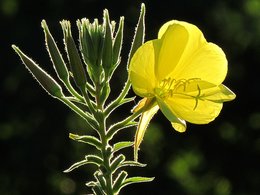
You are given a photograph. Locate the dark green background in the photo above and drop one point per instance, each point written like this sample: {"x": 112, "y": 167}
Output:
{"x": 221, "y": 158}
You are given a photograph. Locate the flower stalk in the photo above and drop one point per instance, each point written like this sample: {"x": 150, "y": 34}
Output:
{"x": 91, "y": 66}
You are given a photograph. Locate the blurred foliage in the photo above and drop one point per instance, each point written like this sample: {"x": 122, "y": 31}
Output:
{"x": 221, "y": 158}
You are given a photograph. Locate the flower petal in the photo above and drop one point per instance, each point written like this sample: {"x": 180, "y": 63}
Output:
{"x": 186, "y": 54}
{"x": 177, "y": 123}
{"x": 208, "y": 63}
{"x": 179, "y": 41}
{"x": 141, "y": 68}
{"x": 172, "y": 48}
{"x": 205, "y": 112}
{"x": 142, "y": 126}
{"x": 198, "y": 101}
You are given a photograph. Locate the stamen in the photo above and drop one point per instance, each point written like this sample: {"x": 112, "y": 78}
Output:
{"x": 169, "y": 87}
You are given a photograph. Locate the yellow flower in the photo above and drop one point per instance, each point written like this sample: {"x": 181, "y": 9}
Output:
{"x": 181, "y": 74}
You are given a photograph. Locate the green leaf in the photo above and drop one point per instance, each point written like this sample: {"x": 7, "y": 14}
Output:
{"x": 86, "y": 139}
{"x": 116, "y": 162}
{"x": 100, "y": 178}
{"x": 119, "y": 181}
{"x": 116, "y": 103}
{"x": 89, "y": 159}
{"x": 91, "y": 184}
{"x": 133, "y": 180}
{"x": 132, "y": 164}
{"x": 94, "y": 159}
{"x": 120, "y": 145}
{"x": 97, "y": 190}
{"x": 115, "y": 128}
{"x": 139, "y": 33}
{"x": 77, "y": 165}
{"x": 117, "y": 44}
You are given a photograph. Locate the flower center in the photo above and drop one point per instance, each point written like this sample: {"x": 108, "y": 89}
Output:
{"x": 168, "y": 87}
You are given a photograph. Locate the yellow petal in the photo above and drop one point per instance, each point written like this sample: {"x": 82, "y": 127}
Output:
{"x": 205, "y": 112}
{"x": 208, "y": 63}
{"x": 142, "y": 126}
{"x": 186, "y": 54}
{"x": 173, "y": 45}
{"x": 141, "y": 68}
{"x": 180, "y": 40}
{"x": 177, "y": 123}
{"x": 198, "y": 101}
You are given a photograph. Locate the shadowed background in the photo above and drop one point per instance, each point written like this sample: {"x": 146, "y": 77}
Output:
{"x": 221, "y": 158}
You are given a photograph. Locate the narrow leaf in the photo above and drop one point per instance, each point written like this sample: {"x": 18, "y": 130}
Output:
{"x": 139, "y": 33}
{"x": 115, "y": 128}
{"x": 94, "y": 159}
{"x": 132, "y": 164}
{"x": 117, "y": 44}
{"x": 120, "y": 145}
{"x": 89, "y": 159}
{"x": 133, "y": 180}
{"x": 116, "y": 103}
{"x": 119, "y": 181}
{"x": 86, "y": 139}
{"x": 77, "y": 165}
{"x": 97, "y": 190}
{"x": 116, "y": 162}
{"x": 100, "y": 178}
{"x": 91, "y": 184}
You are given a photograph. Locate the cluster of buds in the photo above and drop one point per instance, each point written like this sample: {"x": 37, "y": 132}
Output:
{"x": 98, "y": 56}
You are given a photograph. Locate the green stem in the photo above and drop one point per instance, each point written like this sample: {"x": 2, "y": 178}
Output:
{"x": 88, "y": 101}
{"x": 72, "y": 90}
{"x": 106, "y": 153}
{"x": 117, "y": 101}
{"x": 116, "y": 127}
{"x": 84, "y": 115}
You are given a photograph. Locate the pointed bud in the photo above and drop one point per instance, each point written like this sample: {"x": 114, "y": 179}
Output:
{"x": 108, "y": 47}
{"x": 44, "y": 79}
{"x": 73, "y": 56}
{"x": 91, "y": 44}
{"x": 117, "y": 44}
{"x": 55, "y": 55}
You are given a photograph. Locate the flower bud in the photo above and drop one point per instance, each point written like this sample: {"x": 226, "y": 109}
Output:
{"x": 108, "y": 47}
{"x": 55, "y": 55}
{"x": 91, "y": 44}
{"x": 73, "y": 56}
{"x": 44, "y": 79}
